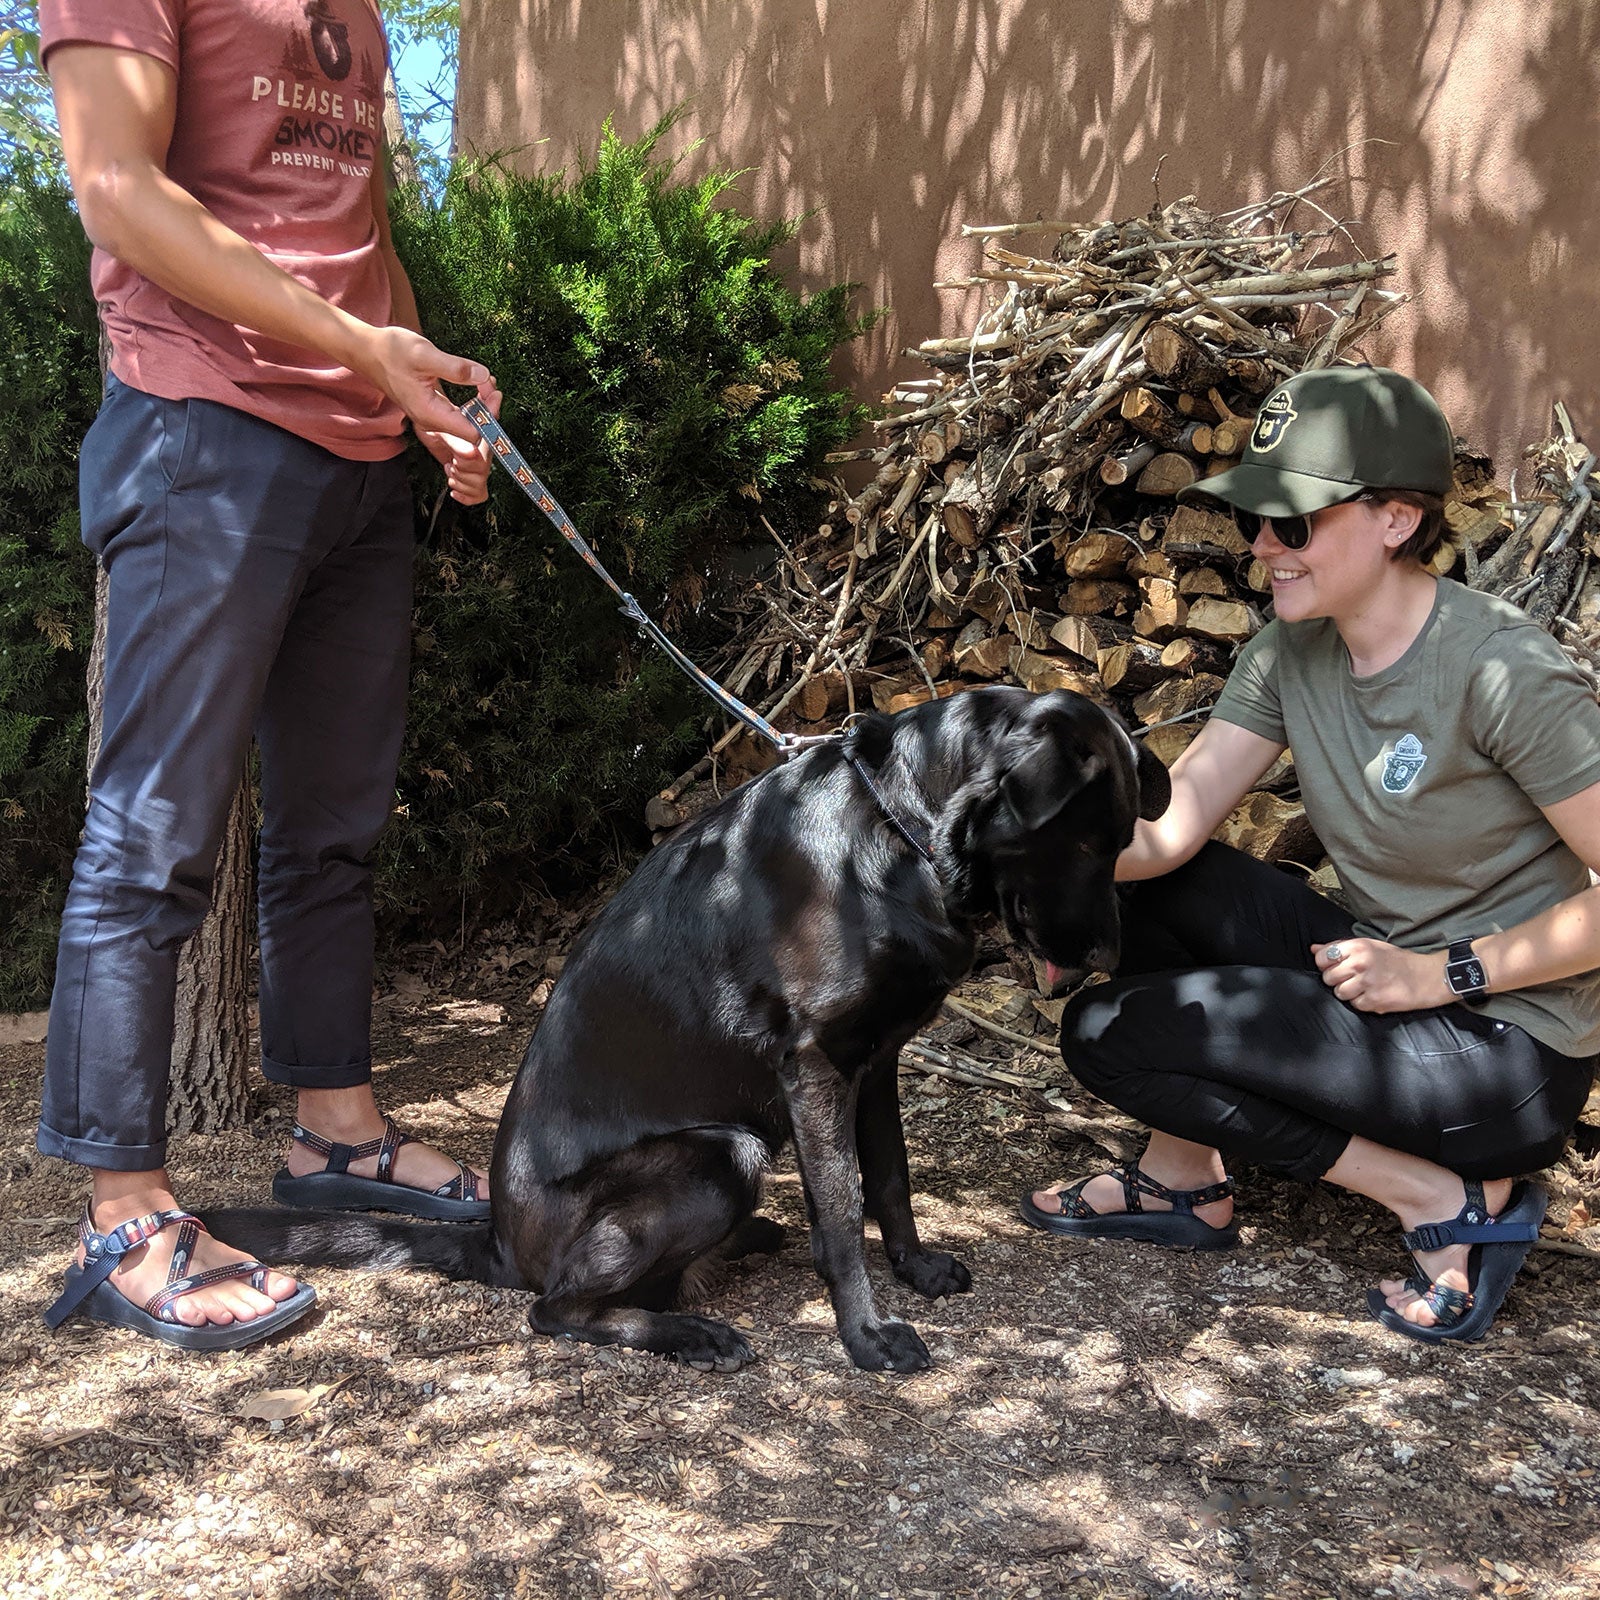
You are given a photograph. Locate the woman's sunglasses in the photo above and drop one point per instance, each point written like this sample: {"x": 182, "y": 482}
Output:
{"x": 1293, "y": 533}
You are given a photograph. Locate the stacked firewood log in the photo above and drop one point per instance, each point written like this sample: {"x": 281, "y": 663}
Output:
{"x": 1020, "y": 524}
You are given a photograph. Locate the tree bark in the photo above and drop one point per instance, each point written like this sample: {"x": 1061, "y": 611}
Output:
{"x": 396, "y": 145}
{"x": 211, "y": 1040}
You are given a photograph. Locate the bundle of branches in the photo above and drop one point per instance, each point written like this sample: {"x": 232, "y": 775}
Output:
{"x": 1020, "y": 526}
{"x": 1540, "y": 554}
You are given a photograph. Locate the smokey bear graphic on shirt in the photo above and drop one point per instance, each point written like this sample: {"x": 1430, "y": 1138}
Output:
{"x": 278, "y": 132}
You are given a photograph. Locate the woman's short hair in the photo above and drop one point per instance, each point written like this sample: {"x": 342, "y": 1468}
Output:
{"x": 1430, "y": 531}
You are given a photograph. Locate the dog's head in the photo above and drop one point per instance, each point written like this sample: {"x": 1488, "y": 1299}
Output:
{"x": 1035, "y": 831}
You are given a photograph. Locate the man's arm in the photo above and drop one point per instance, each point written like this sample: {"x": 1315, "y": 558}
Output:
{"x": 116, "y": 110}
{"x": 1208, "y": 780}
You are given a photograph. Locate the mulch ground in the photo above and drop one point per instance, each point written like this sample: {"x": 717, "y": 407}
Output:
{"x": 1101, "y": 1421}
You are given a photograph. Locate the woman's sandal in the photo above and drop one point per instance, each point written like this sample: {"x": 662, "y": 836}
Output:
{"x": 1499, "y": 1247}
{"x": 336, "y": 1188}
{"x": 89, "y": 1290}
{"x": 1178, "y": 1228}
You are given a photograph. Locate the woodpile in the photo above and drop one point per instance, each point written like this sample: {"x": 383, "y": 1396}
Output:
{"x": 1020, "y": 524}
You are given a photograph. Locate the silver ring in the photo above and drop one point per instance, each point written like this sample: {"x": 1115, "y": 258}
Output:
{"x": 1335, "y": 954}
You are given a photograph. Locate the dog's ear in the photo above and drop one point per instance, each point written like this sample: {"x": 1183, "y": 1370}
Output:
{"x": 1155, "y": 785}
{"x": 1044, "y": 776}
{"x": 1050, "y": 756}
{"x": 958, "y": 848}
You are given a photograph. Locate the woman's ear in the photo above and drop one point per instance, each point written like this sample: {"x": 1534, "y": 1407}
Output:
{"x": 1401, "y": 520}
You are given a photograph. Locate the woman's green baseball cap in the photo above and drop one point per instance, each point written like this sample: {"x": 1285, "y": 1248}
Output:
{"x": 1322, "y": 436}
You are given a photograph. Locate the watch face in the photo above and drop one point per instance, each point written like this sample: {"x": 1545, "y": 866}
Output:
{"x": 1466, "y": 975}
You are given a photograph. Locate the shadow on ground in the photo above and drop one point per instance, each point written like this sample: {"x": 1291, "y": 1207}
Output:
{"x": 1100, "y": 1422}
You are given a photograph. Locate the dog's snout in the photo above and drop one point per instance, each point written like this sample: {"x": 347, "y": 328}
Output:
{"x": 1104, "y": 957}
{"x": 1059, "y": 980}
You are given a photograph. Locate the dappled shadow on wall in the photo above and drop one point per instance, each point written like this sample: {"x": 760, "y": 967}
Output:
{"x": 1464, "y": 138}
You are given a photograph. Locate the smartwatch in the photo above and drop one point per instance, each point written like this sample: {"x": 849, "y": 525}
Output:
{"x": 1463, "y": 971}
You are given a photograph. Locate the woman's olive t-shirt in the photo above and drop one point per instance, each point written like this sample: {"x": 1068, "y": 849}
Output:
{"x": 1424, "y": 781}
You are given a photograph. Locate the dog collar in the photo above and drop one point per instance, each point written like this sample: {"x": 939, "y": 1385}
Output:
{"x": 916, "y": 838}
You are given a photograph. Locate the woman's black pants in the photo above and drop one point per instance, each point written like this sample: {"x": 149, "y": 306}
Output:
{"x": 1218, "y": 1028}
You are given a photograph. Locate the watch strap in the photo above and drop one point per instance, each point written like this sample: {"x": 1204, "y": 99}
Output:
{"x": 1464, "y": 973}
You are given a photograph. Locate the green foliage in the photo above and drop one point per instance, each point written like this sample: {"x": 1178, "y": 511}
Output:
{"x": 658, "y": 374}
{"x": 49, "y": 388}
{"x": 27, "y": 116}
{"x": 661, "y": 378}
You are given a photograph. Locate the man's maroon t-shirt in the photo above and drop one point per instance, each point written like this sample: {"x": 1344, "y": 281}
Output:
{"x": 278, "y": 128}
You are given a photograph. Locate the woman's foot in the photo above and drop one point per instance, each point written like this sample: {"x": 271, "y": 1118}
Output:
{"x": 1447, "y": 1268}
{"x": 1178, "y": 1166}
{"x": 144, "y": 1271}
{"x": 1176, "y": 1195}
{"x": 1105, "y": 1195}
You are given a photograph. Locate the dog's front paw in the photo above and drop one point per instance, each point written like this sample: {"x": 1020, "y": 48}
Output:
{"x": 709, "y": 1346}
{"x": 933, "y": 1273}
{"x": 887, "y": 1347}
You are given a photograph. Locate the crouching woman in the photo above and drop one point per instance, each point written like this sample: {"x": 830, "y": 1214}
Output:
{"x": 1436, "y": 1042}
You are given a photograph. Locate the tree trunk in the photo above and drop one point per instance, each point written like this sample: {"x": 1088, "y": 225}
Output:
{"x": 211, "y": 1041}
{"x": 396, "y": 146}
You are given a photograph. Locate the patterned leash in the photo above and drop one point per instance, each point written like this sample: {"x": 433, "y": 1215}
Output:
{"x": 528, "y": 481}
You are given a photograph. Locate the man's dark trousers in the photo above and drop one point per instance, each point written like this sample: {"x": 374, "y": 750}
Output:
{"x": 258, "y": 583}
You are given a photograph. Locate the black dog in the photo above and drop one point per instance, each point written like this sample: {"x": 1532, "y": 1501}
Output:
{"x": 754, "y": 980}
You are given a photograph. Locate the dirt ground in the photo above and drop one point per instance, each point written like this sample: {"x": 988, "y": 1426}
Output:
{"x": 1101, "y": 1421}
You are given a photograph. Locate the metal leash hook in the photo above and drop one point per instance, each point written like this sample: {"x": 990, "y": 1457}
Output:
{"x": 506, "y": 453}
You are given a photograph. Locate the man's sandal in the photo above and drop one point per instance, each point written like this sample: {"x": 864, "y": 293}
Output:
{"x": 89, "y": 1290}
{"x": 336, "y": 1188}
{"x": 1178, "y": 1228}
{"x": 1499, "y": 1247}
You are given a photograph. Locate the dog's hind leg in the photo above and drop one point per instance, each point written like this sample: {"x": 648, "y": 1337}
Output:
{"x": 886, "y": 1186}
{"x": 651, "y": 1214}
{"x": 822, "y": 1106}
{"x": 755, "y": 1236}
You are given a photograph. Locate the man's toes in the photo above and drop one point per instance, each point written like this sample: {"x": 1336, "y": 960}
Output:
{"x": 196, "y": 1310}
{"x": 236, "y": 1302}
{"x": 280, "y": 1286}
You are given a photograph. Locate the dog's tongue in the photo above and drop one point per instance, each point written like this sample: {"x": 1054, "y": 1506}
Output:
{"x": 1053, "y": 975}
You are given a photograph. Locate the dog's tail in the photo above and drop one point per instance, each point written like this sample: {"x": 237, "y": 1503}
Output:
{"x": 467, "y": 1250}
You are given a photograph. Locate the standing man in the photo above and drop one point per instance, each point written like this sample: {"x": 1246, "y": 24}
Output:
{"x": 243, "y": 485}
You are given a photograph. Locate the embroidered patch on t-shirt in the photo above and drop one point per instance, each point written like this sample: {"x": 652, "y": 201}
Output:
{"x": 1403, "y": 763}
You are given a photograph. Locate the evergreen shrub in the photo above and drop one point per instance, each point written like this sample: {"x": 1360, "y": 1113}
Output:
{"x": 668, "y": 387}
{"x": 49, "y": 389}
{"x": 662, "y": 379}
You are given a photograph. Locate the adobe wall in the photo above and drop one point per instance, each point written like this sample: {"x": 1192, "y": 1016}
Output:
{"x": 1467, "y": 135}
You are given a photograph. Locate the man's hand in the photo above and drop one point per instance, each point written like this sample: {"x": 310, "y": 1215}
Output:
{"x": 1373, "y": 976}
{"x": 409, "y": 369}
{"x": 466, "y": 466}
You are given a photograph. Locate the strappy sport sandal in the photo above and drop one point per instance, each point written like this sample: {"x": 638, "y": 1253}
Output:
{"x": 1499, "y": 1247}
{"x": 1178, "y": 1228}
{"x": 336, "y": 1188}
{"x": 89, "y": 1290}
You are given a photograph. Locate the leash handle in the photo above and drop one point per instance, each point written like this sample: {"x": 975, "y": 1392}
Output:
{"x": 506, "y": 453}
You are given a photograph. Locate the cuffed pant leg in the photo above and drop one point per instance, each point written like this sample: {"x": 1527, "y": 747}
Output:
{"x": 330, "y": 732}
{"x": 207, "y": 522}
{"x": 1268, "y": 1064}
{"x": 1189, "y": 1053}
